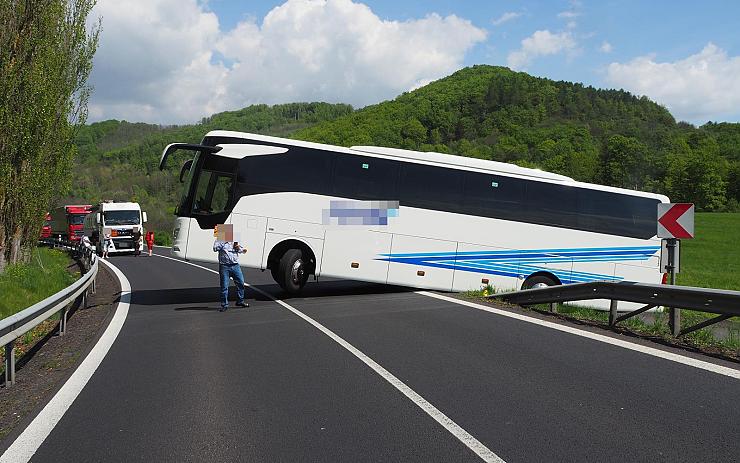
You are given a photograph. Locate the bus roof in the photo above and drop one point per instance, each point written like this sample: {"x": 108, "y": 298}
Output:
{"x": 435, "y": 158}
{"x": 461, "y": 161}
{"x": 425, "y": 157}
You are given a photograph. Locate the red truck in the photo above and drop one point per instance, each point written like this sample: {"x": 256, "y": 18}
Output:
{"x": 66, "y": 221}
{"x": 46, "y": 228}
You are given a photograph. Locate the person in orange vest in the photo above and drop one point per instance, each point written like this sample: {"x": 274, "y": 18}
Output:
{"x": 150, "y": 241}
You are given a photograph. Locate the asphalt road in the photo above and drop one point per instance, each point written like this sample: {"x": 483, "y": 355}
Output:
{"x": 184, "y": 382}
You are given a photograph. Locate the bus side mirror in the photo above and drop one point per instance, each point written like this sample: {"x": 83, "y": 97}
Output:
{"x": 143, "y": 217}
{"x": 185, "y": 168}
{"x": 97, "y": 218}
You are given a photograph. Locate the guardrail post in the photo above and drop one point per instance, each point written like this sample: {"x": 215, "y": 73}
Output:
{"x": 674, "y": 320}
{"x": 613, "y": 312}
{"x": 9, "y": 363}
{"x": 62, "y": 321}
{"x": 554, "y": 307}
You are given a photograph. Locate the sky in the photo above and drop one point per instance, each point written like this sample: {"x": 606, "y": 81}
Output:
{"x": 177, "y": 61}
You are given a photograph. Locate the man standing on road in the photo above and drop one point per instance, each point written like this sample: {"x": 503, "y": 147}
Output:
{"x": 228, "y": 266}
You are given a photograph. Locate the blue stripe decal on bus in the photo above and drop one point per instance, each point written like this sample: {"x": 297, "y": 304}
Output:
{"x": 522, "y": 263}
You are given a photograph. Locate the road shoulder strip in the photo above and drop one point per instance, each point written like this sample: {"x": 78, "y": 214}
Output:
{"x": 696, "y": 363}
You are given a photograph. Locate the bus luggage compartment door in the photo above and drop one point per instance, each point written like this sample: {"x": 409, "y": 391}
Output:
{"x": 422, "y": 262}
{"x": 356, "y": 254}
{"x": 249, "y": 231}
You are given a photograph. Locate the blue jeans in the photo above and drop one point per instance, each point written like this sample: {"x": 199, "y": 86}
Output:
{"x": 226, "y": 271}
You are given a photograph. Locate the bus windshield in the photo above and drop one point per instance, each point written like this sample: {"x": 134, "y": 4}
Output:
{"x": 212, "y": 193}
{"x": 121, "y": 217}
{"x": 187, "y": 186}
{"x": 209, "y": 186}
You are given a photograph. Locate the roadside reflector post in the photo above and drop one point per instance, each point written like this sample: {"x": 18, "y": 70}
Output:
{"x": 675, "y": 221}
{"x": 674, "y": 314}
{"x": 613, "y": 312}
{"x": 9, "y": 363}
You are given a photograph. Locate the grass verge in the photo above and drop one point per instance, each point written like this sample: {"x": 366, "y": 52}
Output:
{"x": 712, "y": 259}
{"x": 22, "y": 285}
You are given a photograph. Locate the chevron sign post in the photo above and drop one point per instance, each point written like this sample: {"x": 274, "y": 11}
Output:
{"x": 676, "y": 220}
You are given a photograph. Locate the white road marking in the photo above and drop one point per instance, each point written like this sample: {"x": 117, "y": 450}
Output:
{"x": 462, "y": 435}
{"x": 732, "y": 373}
{"x": 24, "y": 447}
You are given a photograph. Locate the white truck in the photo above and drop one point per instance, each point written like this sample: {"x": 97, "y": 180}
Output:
{"x": 117, "y": 219}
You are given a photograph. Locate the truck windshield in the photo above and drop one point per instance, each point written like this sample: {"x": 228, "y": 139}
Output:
{"x": 76, "y": 219}
{"x": 121, "y": 217}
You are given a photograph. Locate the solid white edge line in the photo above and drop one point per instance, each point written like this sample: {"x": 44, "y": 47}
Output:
{"x": 719, "y": 369}
{"x": 26, "y": 445}
{"x": 453, "y": 428}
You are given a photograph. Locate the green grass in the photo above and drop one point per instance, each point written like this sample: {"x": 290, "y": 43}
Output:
{"x": 22, "y": 285}
{"x": 162, "y": 238}
{"x": 712, "y": 259}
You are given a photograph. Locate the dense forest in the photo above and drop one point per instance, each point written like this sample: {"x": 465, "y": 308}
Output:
{"x": 602, "y": 136}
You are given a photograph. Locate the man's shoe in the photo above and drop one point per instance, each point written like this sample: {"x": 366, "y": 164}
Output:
{"x": 224, "y": 309}
{"x": 242, "y": 304}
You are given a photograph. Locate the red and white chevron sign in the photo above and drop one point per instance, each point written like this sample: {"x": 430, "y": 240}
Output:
{"x": 676, "y": 220}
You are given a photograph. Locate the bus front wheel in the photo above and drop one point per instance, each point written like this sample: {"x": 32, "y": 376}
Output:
{"x": 292, "y": 272}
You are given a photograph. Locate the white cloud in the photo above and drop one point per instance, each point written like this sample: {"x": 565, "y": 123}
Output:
{"x": 606, "y": 47}
{"x": 508, "y": 16}
{"x": 698, "y": 88}
{"x": 568, "y": 14}
{"x": 541, "y": 43}
{"x": 168, "y": 61}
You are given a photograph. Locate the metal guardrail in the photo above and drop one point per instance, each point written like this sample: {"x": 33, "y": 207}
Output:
{"x": 724, "y": 303}
{"x": 20, "y": 323}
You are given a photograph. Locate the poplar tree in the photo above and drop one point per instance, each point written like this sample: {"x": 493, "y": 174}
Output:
{"x": 46, "y": 53}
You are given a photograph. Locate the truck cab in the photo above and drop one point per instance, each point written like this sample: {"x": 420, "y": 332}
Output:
{"x": 118, "y": 220}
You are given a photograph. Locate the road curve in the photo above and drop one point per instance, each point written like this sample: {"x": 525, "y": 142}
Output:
{"x": 184, "y": 382}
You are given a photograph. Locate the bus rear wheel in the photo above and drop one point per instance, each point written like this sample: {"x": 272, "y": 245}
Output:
{"x": 292, "y": 271}
{"x": 538, "y": 281}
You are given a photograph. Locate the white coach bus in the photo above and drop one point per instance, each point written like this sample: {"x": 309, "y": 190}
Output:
{"x": 426, "y": 220}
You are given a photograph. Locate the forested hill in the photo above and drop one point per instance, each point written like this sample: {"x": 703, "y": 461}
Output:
{"x": 602, "y": 136}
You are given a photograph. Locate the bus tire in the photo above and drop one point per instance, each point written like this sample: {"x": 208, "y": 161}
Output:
{"x": 292, "y": 271}
{"x": 538, "y": 281}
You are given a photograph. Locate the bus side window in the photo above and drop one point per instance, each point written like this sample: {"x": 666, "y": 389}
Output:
{"x": 430, "y": 187}
{"x": 360, "y": 177}
{"x": 494, "y": 196}
{"x": 551, "y": 204}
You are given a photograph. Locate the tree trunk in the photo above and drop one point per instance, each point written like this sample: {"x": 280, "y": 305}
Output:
{"x": 15, "y": 246}
{"x": 2, "y": 247}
